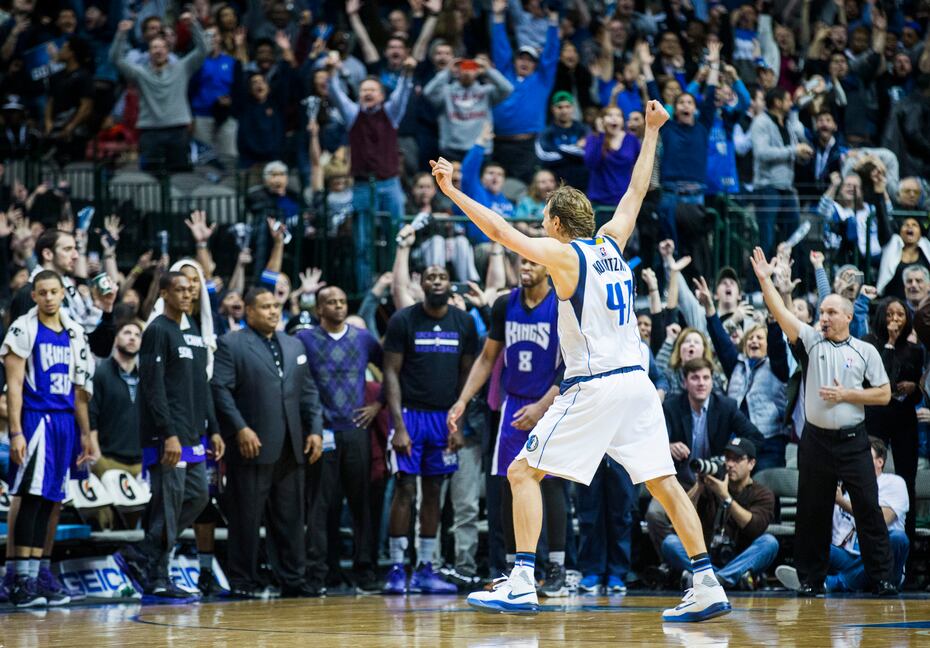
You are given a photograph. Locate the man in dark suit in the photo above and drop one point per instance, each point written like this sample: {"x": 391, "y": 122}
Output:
{"x": 269, "y": 411}
{"x": 700, "y": 425}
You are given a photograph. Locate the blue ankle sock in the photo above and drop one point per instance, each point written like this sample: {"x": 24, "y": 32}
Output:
{"x": 525, "y": 559}
{"x": 701, "y": 563}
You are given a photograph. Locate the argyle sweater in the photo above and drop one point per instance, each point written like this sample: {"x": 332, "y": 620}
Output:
{"x": 338, "y": 366}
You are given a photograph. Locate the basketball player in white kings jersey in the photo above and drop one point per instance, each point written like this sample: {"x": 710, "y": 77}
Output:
{"x": 607, "y": 403}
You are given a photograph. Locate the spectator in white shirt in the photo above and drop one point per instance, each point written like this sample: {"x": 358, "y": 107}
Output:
{"x": 846, "y": 572}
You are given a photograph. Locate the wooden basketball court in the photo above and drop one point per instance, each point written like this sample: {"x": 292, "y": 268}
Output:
{"x": 431, "y": 621}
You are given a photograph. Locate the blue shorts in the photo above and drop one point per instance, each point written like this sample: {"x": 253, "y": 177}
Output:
{"x": 51, "y": 444}
{"x": 510, "y": 441}
{"x": 429, "y": 437}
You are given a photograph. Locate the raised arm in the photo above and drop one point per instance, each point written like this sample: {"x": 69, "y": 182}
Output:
{"x": 545, "y": 251}
{"x": 501, "y": 52}
{"x": 624, "y": 220}
{"x": 787, "y": 320}
{"x": 369, "y": 51}
{"x": 421, "y": 47}
{"x": 120, "y": 48}
{"x": 195, "y": 58}
{"x": 400, "y": 287}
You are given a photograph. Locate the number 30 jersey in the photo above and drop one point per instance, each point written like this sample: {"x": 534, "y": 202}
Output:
{"x": 47, "y": 386}
{"x": 597, "y": 326}
{"x": 531, "y": 343}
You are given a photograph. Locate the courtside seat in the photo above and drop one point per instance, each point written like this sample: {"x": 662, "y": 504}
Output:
{"x": 922, "y": 492}
{"x": 784, "y": 483}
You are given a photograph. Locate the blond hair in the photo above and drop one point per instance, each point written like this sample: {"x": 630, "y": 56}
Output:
{"x": 576, "y": 216}
{"x": 675, "y": 360}
{"x": 335, "y": 169}
{"x": 752, "y": 329}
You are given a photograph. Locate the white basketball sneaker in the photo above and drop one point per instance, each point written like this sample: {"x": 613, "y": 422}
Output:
{"x": 515, "y": 594}
{"x": 705, "y": 600}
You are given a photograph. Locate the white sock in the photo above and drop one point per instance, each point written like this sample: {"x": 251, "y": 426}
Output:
{"x": 557, "y": 557}
{"x": 427, "y": 550}
{"x": 45, "y": 563}
{"x": 33, "y": 568}
{"x": 397, "y": 548}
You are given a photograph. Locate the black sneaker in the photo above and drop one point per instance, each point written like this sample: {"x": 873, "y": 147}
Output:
{"x": 368, "y": 583}
{"x": 748, "y": 582}
{"x": 885, "y": 588}
{"x": 554, "y": 586}
{"x": 26, "y": 594}
{"x": 170, "y": 591}
{"x": 208, "y": 585}
{"x": 461, "y": 580}
{"x": 303, "y": 590}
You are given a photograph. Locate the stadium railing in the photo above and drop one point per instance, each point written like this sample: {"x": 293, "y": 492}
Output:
{"x": 152, "y": 203}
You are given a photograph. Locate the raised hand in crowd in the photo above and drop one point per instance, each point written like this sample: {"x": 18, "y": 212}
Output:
{"x": 310, "y": 283}
{"x": 704, "y": 296}
{"x": 199, "y": 229}
{"x": 816, "y": 259}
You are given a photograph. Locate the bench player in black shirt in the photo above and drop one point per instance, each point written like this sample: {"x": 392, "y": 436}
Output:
{"x": 428, "y": 351}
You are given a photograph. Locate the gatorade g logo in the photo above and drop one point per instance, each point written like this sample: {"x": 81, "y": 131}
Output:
{"x": 88, "y": 491}
{"x": 532, "y": 443}
{"x": 125, "y": 487}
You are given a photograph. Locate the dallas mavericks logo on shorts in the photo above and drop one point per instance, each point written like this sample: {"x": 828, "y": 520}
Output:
{"x": 532, "y": 443}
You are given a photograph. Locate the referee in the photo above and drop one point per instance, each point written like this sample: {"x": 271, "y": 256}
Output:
{"x": 842, "y": 376}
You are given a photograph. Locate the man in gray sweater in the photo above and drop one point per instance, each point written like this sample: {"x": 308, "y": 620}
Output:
{"x": 164, "y": 110}
{"x": 777, "y": 141}
{"x": 465, "y": 91}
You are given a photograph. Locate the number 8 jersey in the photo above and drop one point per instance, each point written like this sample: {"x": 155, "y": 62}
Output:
{"x": 597, "y": 326}
{"x": 531, "y": 345}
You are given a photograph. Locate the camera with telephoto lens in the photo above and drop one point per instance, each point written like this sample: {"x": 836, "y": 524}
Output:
{"x": 714, "y": 467}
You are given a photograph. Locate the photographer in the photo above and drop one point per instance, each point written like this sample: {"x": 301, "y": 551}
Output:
{"x": 735, "y": 512}
{"x": 700, "y": 425}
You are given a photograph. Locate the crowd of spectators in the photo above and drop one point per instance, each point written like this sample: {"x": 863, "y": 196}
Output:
{"x": 806, "y": 120}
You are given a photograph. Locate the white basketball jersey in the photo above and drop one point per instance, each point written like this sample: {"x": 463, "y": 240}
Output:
{"x": 597, "y": 326}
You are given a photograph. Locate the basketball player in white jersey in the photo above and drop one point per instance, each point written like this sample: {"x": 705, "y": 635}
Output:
{"x": 607, "y": 403}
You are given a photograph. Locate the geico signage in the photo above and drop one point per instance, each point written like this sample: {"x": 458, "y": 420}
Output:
{"x": 99, "y": 577}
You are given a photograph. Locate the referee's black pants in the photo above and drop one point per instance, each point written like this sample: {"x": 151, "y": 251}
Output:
{"x": 824, "y": 458}
{"x": 345, "y": 470}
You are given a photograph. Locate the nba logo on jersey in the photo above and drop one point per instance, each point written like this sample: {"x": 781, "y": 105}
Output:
{"x": 601, "y": 247}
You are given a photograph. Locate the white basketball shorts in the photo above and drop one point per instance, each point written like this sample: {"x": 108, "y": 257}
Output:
{"x": 619, "y": 415}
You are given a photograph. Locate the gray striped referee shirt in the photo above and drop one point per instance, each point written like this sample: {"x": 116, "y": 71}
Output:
{"x": 853, "y": 363}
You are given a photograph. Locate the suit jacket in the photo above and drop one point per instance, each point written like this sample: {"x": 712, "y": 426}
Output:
{"x": 724, "y": 421}
{"x": 248, "y": 392}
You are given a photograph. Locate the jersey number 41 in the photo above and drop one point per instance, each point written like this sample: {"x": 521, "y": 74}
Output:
{"x": 620, "y": 298}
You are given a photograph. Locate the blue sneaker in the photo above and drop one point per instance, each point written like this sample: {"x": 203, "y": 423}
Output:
{"x": 615, "y": 585}
{"x": 590, "y": 584}
{"x": 396, "y": 581}
{"x": 514, "y": 594}
{"x": 426, "y": 581}
{"x": 50, "y": 585}
{"x": 704, "y": 601}
{"x": 51, "y": 588}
